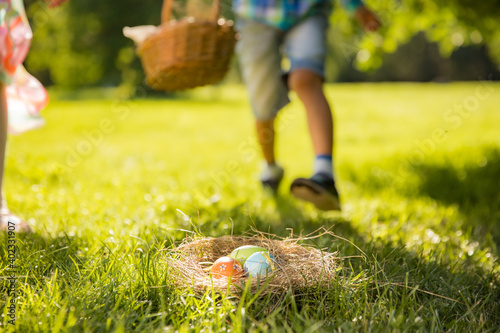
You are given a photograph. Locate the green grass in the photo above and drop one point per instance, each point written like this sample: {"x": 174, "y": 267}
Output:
{"x": 103, "y": 182}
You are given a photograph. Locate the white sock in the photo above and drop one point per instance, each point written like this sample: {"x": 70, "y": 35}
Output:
{"x": 271, "y": 171}
{"x": 324, "y": 164}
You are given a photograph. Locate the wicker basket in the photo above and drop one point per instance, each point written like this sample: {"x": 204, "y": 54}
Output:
{"x": 187, "y": 53}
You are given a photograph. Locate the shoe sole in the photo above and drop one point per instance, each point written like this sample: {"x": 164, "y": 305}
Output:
{"x": 307, "y": 190}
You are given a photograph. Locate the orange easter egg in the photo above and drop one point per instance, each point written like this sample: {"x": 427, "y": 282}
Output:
{"x": 226, "y": 267}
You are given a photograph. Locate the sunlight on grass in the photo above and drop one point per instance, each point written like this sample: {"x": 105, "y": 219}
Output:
{"x": 418, "y": 167}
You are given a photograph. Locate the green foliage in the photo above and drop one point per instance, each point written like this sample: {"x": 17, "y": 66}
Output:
{"x": 81, "y": 43}
{"x": 449, "y": 23}
{"x": 103, "y": 182}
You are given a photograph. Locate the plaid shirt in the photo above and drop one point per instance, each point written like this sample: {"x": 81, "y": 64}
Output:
{"x": 284, "y": 14}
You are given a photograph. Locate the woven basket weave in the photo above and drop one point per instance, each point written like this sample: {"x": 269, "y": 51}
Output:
{"x": 187, "y": 53}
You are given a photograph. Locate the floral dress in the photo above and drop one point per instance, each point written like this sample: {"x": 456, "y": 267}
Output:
{"x": 26, "y": 96}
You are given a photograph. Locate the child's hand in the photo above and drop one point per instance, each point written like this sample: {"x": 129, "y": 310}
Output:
{"x": 55, "y": 3}
{"x": 367, "y": 19}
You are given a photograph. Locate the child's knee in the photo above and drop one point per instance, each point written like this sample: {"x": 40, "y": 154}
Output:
{"x": 301, "y": 79}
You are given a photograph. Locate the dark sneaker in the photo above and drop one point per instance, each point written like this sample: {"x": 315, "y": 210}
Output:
{"x": 273, "y": 183}
{"x": 319, "y": 190}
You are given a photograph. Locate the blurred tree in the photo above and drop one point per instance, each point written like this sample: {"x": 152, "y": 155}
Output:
{"x": 417, "y": 60}
{"x": 449, "y": 23}
{"x": 81, "y": 43}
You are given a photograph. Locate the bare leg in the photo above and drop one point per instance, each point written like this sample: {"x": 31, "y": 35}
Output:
{"x": 3, "y": 138}
{"x": 265, "y": 135}
{"x": 309, "y": 88}
{"x": 319, "y": 189}
{"x": 5, "y": 215}
{"x": 273, "y": 173}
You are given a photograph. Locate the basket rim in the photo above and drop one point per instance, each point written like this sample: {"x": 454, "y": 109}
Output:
{"x": 169, "y": 28}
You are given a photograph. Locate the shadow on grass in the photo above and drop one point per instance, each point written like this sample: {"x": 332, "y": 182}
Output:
{"x": 474, "y": 188}
{"x": 437, "y": 282}
{"x": 392, "y": 277}
{"x": 397, "y": 279}
{"x": 469, "y": 187}
{"x": 293, "y": 216}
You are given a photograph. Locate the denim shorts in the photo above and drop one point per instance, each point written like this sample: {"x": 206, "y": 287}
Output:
{"x": 260, "y": 51}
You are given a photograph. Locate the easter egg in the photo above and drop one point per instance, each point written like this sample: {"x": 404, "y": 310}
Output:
{"x": 259, "y": 264}
{"x": 242, "y": 253}
{"x": 226, "y": 267}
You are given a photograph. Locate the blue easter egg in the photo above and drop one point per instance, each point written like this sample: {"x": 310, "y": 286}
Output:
{"x": 259, "y": 264}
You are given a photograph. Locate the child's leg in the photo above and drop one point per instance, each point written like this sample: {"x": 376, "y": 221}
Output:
{"x": 260, "y": 60}
{"x": 3, "y": 139}
{"x": 265, "y": 136}
{"x": 306, "y": 48}
{"x": 309, "y": 88}
{"x": 5, "y": 215}
{"x": 273, "y": 173}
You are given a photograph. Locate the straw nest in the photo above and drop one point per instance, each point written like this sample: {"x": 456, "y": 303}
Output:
{"x": 299, "y": 267}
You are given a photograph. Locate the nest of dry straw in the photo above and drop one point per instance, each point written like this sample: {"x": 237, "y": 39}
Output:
{"x": 299, "y": 266}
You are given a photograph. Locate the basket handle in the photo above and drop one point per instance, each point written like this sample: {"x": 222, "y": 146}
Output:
{"x": 166, "y": 10}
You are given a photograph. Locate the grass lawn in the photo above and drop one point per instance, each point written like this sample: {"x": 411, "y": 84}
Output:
{"x": 107, "y": 185}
